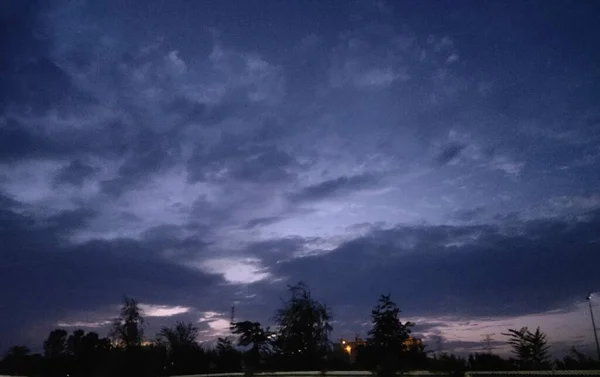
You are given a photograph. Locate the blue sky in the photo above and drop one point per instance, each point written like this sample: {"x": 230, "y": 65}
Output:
{"x": 197, "y": 155}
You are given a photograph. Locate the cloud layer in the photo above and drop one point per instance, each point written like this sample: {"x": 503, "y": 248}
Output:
{"x": 195, "y": 163}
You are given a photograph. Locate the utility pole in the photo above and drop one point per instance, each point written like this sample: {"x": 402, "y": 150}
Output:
{"x": 487, "y": 342}
{"x": 232, "y": 319}
{"x": 589, "y": 299}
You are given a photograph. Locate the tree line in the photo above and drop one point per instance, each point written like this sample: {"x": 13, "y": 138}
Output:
{"x": 299, "y": 340}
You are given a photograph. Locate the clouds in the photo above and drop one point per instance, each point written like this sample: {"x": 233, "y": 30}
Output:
{"x": 236, "y": 270}
{"x": 449, "y": 153}
{"x": 469, "y": 272}
{"x": 75, "y": 173}
{"x": 334, "y": 187}
{"x": 191, "y": 167}
{"x": 58, "y": 279}
{"x": 28, "y": 76}
{"x": 362, "y": 62}
{"x": 466, "y": 335}
{"x": 162, "y": 310}
{"x": 262, "y": 79}
{"x": 242, "y": 161}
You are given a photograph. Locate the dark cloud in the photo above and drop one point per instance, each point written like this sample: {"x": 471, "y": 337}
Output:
{"x": 75, "y": 173}
{"x": 171, "y": 146}
{"x": 334, "y": 187}
{"x": 21, "y": 141}
{"x": 187, "y": 110}
{"x": 65, "y": 222}
{"x": 275, "y": 250}
{"x": 233, "y": 104}
{"x": 465, "y": 270}
{"x": 448, "y": 153}
{"x": 43, "y": 274}
{"x": 233, "y": 158}
{"x": 259, "y": 222}
{"x": 467, "y": 215}
{"x": 148, "y": 154}
{"x": 28, "y": 75}
{"x": 16, "y": 141}
{"x": 7, "y": 203}
{"x": 267, "y": 165}
{"x": 254, "y": 223}
{"x": 174, "y": 239}
{"x": 427, "y": 327}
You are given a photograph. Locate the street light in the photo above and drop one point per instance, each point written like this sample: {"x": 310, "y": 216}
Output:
{"x": 589, "y": 299}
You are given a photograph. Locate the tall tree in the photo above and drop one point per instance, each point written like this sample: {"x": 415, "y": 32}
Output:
{"x": 181, "y": 336}
{"x": 577, "y": 361}
{"x": 531, "y": 349}
{"x": 74, "y": 343}
{"x": 304, "y": 325}
{"x": 128, "y": 329}
{"x": 19, "y": 361}
{"x": 55, "y": 353}
{"x": 252, "y": 335}
{"x": 92, "y": 343}
{"x": 18, "y": 352}
{"x": 184, "y": 353}
{"x": 539, "y": 349}
{"x": 228, "y": 358}
{"x": 224, "y": 345}
{"x": 55, "y": 346}
{"x": 387, "y": 337}
{"x": 89, "y": 352}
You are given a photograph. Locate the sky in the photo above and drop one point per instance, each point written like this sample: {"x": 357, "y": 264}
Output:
{"x": 199, "y": 155}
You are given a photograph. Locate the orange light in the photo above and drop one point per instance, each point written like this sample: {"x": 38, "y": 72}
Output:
{"x": 348, "y": 349}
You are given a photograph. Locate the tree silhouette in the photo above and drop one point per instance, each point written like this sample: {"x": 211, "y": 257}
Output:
{"x": 228, "y": 358}
{"x": 304, "y": 325}
{"x": 55, "y": 346}
{"x": 387, "y": 337}
{"x": 18, "y": 352}
{"x": 539, "y": 348}
{"x": 127, "y": 329}
{"x": 488, "y": 361}
{"x": 252, "y": 335}
{"x": 19, "y": 361}
{"x": 87, "y": 351}
{"x": 55, "y": 353}
{"x": 183, "y": 351}
{"x": 224, "y": 345}
{"x": 577, "y": 361}
{"x": 129, "y": 357}
{"x": 300, "y": 342}
{"x": 180, "y": 336}
{"x": 531, "y": 349}
{"x": 74, "y": 343}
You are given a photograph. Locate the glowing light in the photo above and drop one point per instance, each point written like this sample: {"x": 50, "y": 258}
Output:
{"x": 163, "y": 310}
{"x": 236, "y": 270}
{"x": 83, "y": 324}
{"x": 348, "y": 349}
